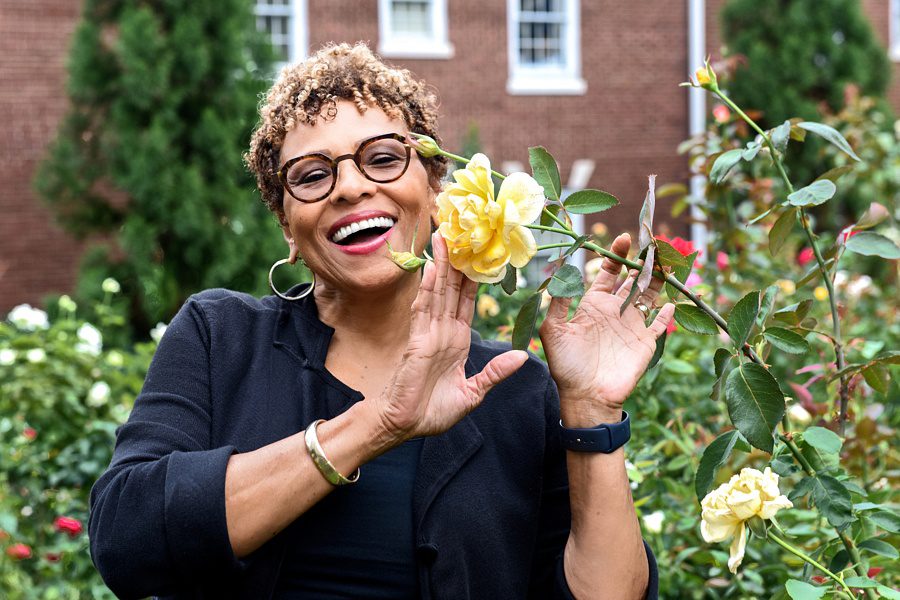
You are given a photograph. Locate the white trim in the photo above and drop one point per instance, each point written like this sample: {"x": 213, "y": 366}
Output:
{"x": 894, "y": 30}
{"x": 549, "y": 81}
{"x": 299, "y": 31}
{"x": 697, "y": 120}
{"x": 297, "y": 37}
{"x": 398, "y": 45}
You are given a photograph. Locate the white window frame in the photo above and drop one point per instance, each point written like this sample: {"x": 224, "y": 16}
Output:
{"x": 298, "y": 28}
{"x": 546, "y": 81}
{"x": 393, "y": 44}
{"x": 894, "y": 30}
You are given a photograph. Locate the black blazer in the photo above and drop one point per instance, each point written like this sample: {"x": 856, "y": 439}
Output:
{"x": 234, "y": 373}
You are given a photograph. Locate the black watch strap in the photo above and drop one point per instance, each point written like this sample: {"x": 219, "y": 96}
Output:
{"x": 606, "y": 437}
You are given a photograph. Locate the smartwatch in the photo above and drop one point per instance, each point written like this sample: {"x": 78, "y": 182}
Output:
{"x": 605, "y": 438}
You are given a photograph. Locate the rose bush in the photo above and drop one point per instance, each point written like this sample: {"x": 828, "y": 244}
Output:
{"x": 63, "y": 392}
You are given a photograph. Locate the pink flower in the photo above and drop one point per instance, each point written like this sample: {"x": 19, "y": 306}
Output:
{"x": 692, "y": 280}
{"x": 19, "y": 551}
{"x": 722, "y": 260}
{"x": 805, "y": 256}
{"x": 721, "y": 113}
{"x": 68, "y": 525}
{"x": 672, "y": 327}
{"x": 29, "y": 433}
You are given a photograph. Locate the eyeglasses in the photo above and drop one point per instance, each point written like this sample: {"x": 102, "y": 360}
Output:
{"x": 312, "y": 177}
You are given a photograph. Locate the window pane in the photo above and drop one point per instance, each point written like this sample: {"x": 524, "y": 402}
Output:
{"x": 273, "y": 17}
{"x": 411, "y": 17}
{"x": 541, "y": 38}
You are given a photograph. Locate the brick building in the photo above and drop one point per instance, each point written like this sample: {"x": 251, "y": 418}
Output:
{"x": 595, "y": 81}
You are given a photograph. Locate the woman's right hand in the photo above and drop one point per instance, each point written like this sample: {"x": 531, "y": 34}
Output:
{"x": 429, "y": 391}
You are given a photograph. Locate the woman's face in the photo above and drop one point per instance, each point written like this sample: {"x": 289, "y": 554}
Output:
{"x": 382, "y": 211}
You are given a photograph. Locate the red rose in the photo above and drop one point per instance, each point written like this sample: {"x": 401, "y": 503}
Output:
{"x": 685, "y": 247}
{"x": 53, "y": 557}
{"x": 874, "y": 571}
{"x": 68, "y": 525}
{"x": 19, "y": 551}
{"x": 722, "y": 261}
{"x": 671, "y": 327}
{"x": 848, "y": 233}
{"x": 805, "y": 256}
{"x": 30, "y": 433}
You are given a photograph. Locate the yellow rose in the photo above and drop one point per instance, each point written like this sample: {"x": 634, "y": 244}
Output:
{"x": 706, "y": 77}
{"x": 487, "y": 306}
{"x": 787, "y": 286}
{"x": 726, "y": 508}
{"x": 702, "y": 76}
{"x": 820, "y": 293}
{"x": 483, "y": 234}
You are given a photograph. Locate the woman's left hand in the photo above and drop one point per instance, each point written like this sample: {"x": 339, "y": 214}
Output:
{"x": 597, "y": 357}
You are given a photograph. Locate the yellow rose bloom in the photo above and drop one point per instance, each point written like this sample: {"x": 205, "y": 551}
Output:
{"x": 820, "y": 293}
{"x": 726, "y": 508}
{"x": 702, "y": 76}
{"x": 483, "y": 234}
{"x": 487, "y": 306}
{"x": 787, "y": 286}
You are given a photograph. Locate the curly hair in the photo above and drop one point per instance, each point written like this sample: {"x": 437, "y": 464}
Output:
{"x": 307, "y": 91}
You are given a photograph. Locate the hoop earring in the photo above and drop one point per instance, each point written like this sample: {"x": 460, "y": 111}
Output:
{"x": 308, "y": 291}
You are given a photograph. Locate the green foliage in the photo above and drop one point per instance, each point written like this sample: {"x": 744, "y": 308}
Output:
{"x": 801, "y": 53}
{"x": 148, "y": 159}
{"x": 797, "y": 56}
{"x": 63, "y": 392}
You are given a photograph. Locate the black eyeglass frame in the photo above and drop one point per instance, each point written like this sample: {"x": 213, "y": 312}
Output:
{"x": 333, "y": 162}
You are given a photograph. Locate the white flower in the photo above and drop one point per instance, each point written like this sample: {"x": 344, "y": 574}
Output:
{"x": 115, "y": 359}
{"x": 7, "y": 356}
{"x": 111, "y": 286}
{"x": 653, "y": 522}
{"x": 592, "y": 268}
{"x": 27, "y": 511}
{"x": 98, "y": 394}
{"x": 35, "y": 355}
{"x": 90, "y": 340}
{"x": 545, "y": 299}
{"x": 859, "y": 285}
{"x": 798, "y": 414}
{"x": 840, "y": 278}
{"x": 725, "y": 509}
{"x": 25, "y": 317}
{"x": 67, "y": 304}
{"x": 157, "y": 332}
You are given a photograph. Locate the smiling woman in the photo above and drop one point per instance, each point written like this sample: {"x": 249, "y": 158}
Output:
{"x": 362, "y": 441}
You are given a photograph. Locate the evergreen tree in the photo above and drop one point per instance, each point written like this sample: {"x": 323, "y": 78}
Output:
{"x": 801, "y": 54}
{"x": 148, "y": 159}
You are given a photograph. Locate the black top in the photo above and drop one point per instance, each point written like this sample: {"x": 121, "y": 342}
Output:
{"x": 357, "y": 542}
{"x": 233, "y": 373}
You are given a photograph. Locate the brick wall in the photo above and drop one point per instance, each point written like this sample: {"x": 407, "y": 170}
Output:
{"x": 629, "y": 122}
{"x": 36, "y": 258}
{"x": 878, "y": 12}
